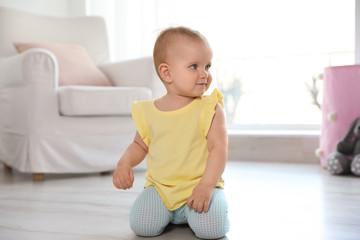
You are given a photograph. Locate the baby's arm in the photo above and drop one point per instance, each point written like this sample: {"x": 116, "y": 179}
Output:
{"x": 123, "y": 176}
{"x": 217, "y": 146}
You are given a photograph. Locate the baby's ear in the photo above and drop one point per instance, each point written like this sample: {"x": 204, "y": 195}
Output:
{"x": 164, "y": 71}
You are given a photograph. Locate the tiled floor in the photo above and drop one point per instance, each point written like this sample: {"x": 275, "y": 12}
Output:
{"x": 266, "y": 201}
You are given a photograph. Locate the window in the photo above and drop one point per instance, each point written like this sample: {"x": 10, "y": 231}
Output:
{"x": 268, "y": 55}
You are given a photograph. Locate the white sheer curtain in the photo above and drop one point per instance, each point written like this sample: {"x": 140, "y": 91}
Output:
{"x": 235, "y": 28}
{"x": 265, "y": 52}
{"x": 131, "y": 26}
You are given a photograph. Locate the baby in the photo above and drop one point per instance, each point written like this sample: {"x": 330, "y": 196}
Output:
{"x": 183, "y": 134}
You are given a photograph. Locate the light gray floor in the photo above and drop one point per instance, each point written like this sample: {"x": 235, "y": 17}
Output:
{"x": 266, "y": 201}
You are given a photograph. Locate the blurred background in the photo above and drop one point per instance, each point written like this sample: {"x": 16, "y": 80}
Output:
{"x": 268, "y": 55}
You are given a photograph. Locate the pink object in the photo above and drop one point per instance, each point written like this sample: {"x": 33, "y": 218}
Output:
{"x": 340, "y": 107}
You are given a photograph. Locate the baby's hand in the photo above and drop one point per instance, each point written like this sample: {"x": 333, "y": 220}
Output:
{"x": 123, "y": 177}
{"x": 200, "y": 198}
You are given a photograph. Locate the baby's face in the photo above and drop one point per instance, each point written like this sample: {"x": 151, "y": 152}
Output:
{"x": 190, "y": 62}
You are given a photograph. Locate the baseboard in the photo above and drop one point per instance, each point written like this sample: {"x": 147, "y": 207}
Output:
{"x": 272, "y": 147}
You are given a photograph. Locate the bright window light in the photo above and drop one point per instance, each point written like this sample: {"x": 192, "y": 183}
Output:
{"x": 268, "y": 55}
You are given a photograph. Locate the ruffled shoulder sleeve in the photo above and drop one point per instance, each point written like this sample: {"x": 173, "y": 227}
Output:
{"x": 208, "y": 110}
{"x": 139, "y": 115}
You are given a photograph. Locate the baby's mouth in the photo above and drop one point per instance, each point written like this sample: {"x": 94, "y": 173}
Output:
{"x": 202, "y": 83}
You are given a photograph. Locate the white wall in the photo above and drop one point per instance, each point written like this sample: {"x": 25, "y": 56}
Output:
{"x": 59, "y": 8}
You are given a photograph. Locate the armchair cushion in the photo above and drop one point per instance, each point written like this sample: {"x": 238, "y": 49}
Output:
{"x": 75, "y": 65}
{"x": 95, "y": 101}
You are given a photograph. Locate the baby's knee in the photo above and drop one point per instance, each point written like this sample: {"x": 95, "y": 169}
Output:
{"x": 144, "y": 228}
{"x": 210, "y": 228}
{"x": 213, "y": 224}
{"x": 149, "y": 222}
{"x": 209, "y": 225}
{"x": 213, "y": 232}
{"x": 148, "y": 215}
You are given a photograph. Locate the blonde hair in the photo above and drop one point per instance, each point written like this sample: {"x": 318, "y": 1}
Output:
{"x": 166, "y": 37}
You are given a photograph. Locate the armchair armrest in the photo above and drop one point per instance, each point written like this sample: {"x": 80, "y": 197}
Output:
{"x": 28, "y": 83}
{"x": 20, "y": 68}
{"x": 135, "y": 73}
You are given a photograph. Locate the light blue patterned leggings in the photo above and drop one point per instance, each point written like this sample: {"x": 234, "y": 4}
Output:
{"x": 149, "y": 216}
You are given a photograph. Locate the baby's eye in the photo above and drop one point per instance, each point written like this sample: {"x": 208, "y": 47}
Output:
{"x": 194, "y": 66}
{"x": 207, "y": 67}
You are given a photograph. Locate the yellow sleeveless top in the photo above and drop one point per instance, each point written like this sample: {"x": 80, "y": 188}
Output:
{"x": 177, "y": 146}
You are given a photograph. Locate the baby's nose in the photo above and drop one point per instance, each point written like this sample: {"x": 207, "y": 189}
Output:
{"x": 204, "y": 73}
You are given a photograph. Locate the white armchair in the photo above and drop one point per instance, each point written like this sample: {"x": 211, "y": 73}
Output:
{"x": 47, "y": 128}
